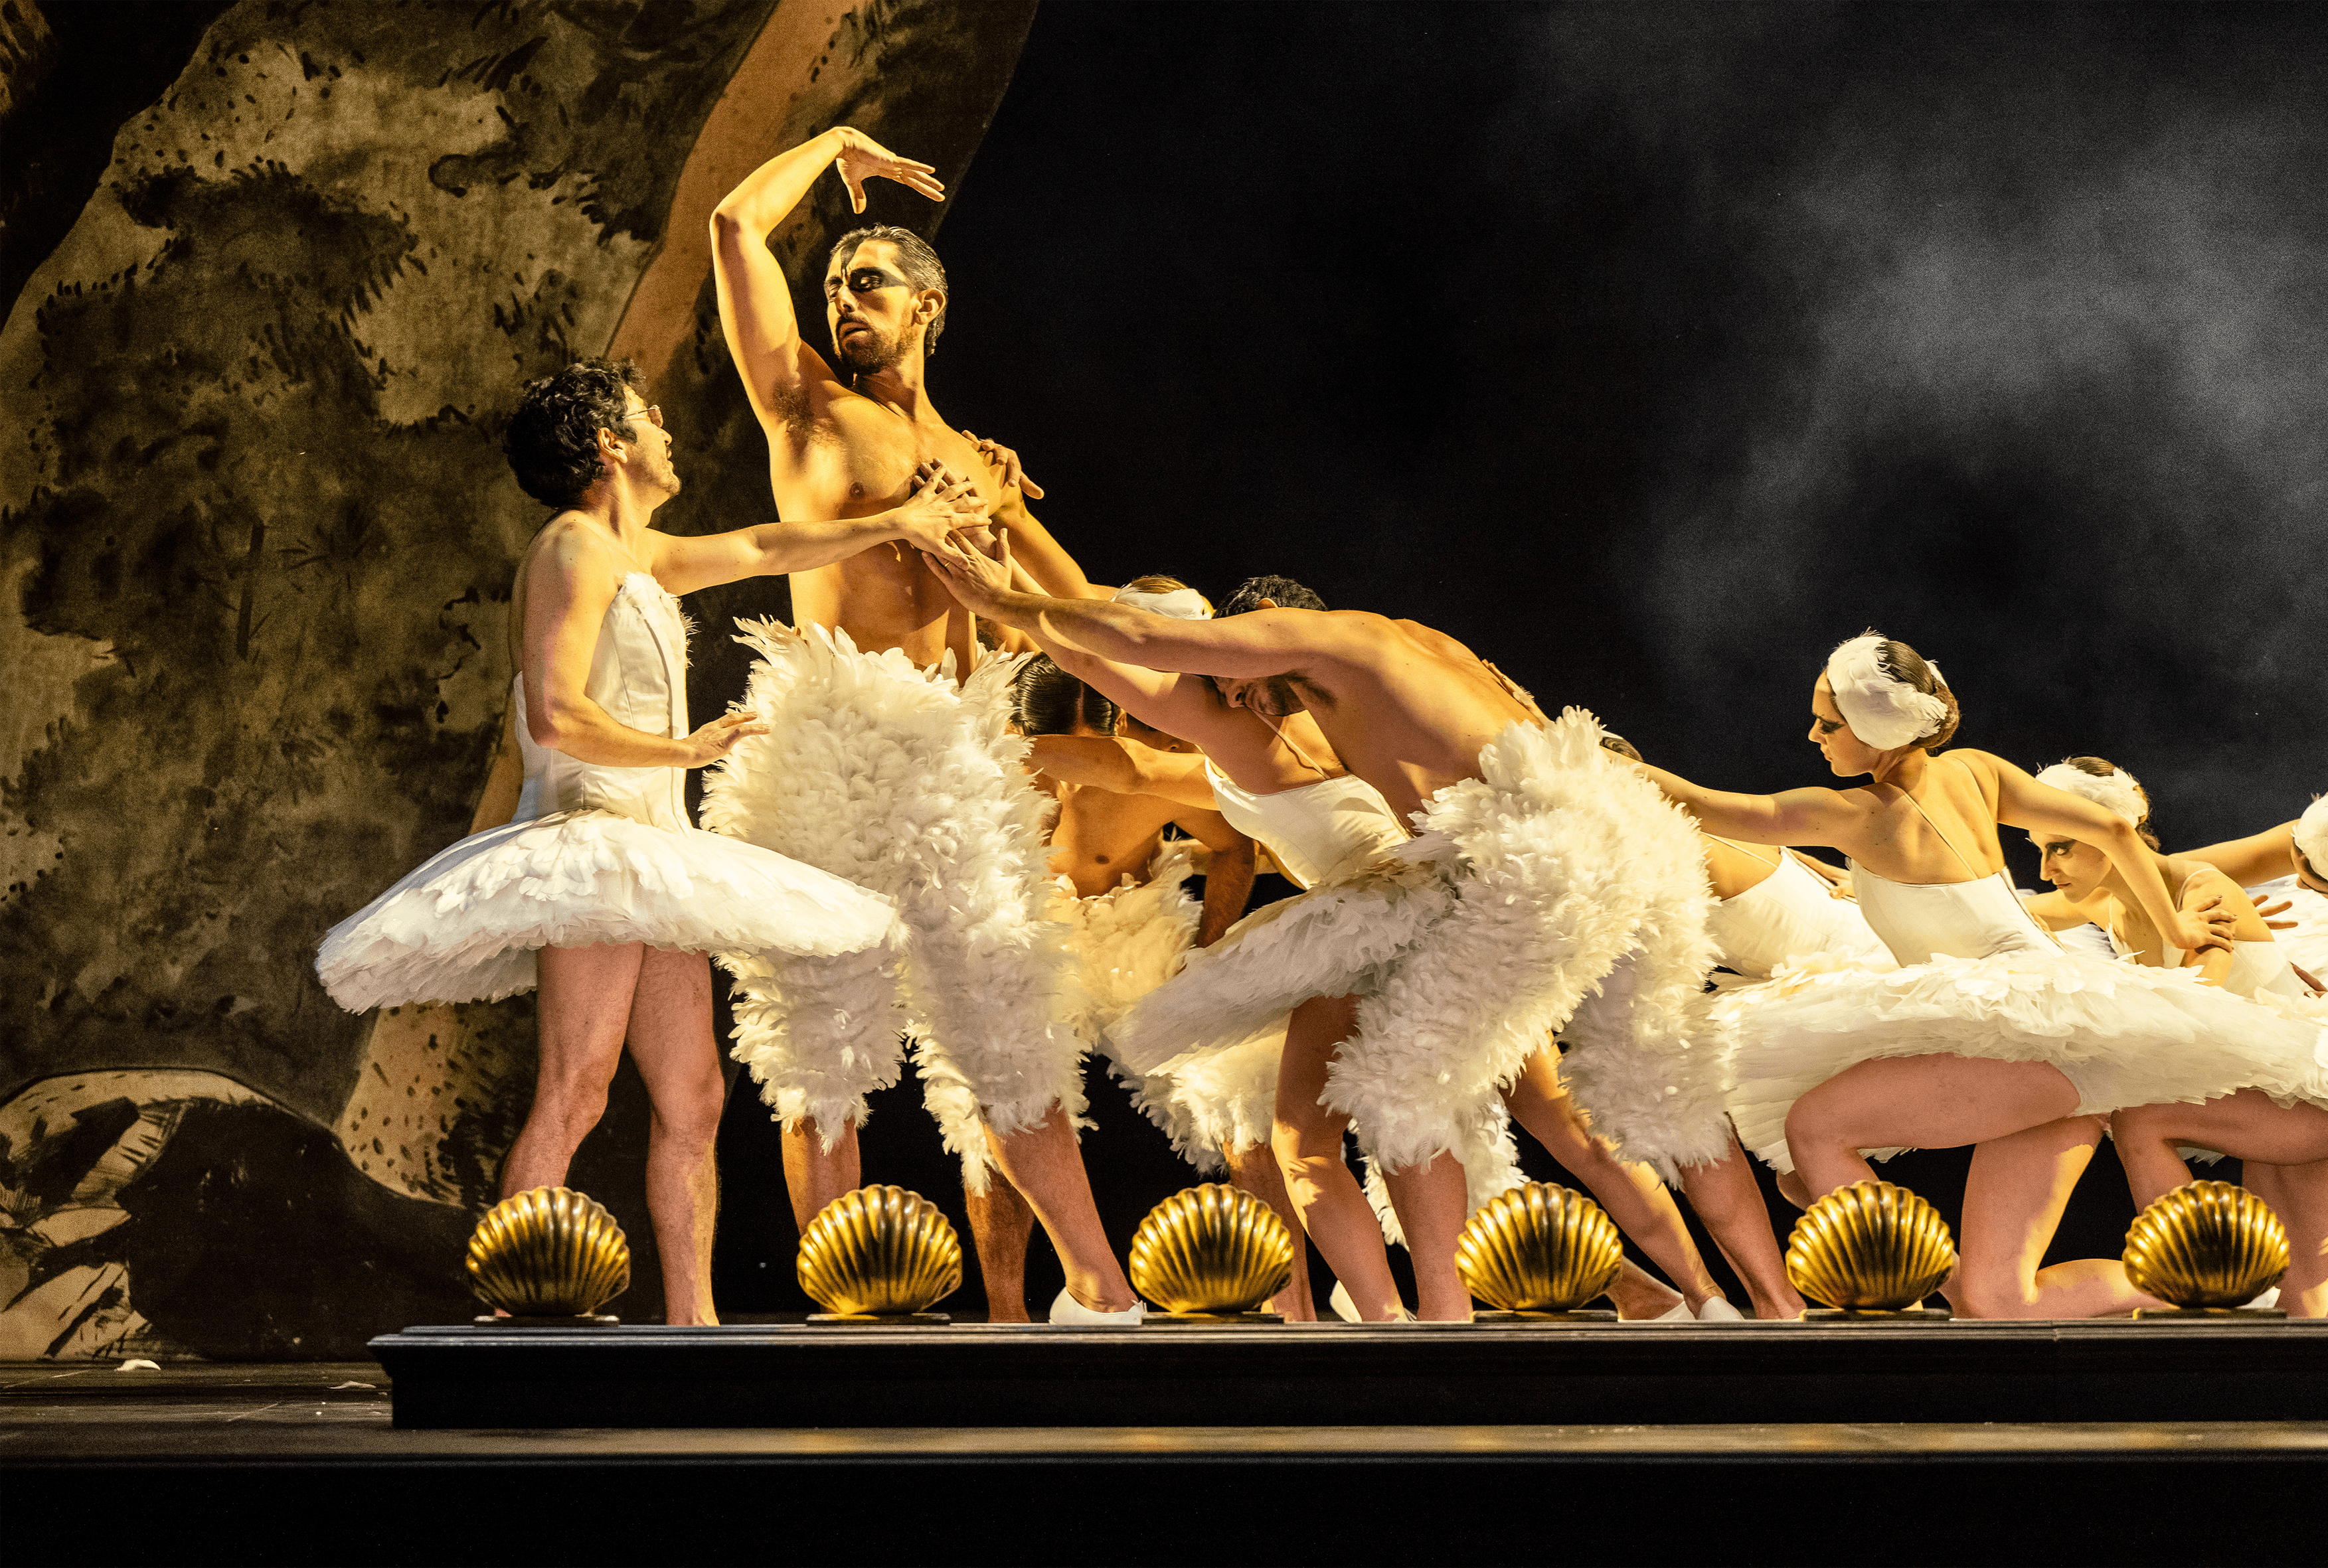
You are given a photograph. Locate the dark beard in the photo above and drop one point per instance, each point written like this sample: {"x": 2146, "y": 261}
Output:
{"x": 1281, "y": 698}
{"x": 870, "y": 353}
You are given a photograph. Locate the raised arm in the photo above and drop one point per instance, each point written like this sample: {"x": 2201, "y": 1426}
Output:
{"x": 756, "y": 302}
{"x": 570, "y": 584}
{"x": 2041, "y": 809}
{"x": 942, "y": 503}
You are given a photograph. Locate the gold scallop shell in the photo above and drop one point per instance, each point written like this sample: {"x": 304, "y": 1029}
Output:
{"x": 1211, "y": 1250}
{"x": 1870, "y": 1247}
{"x": 1539, "y": 1248}
{"x": 879, "y": 1252}
{"x": 2206, "y": 1245}
{"x": 550, "y": 1253}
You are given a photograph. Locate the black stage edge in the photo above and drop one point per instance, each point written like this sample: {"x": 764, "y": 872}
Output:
{"x": 1343, "y": 1375}
{"x": 300, "y": 1463}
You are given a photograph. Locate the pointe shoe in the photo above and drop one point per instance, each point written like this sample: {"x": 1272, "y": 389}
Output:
{"x": 1066, "y": 1308}
{"x": 1718, "y": 1309}
{"x": 1680, "y": 1314}
{"x": 1344, "y": 1308}
{"x": 2267, "y": 1300}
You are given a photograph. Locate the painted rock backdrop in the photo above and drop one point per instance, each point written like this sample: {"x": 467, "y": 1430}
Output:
{"x": 257, "y": 537}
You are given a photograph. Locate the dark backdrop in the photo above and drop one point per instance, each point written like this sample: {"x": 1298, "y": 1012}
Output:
{"x": 1655, "y": 350}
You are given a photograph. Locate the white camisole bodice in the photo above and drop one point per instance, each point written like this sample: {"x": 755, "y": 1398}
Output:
{"x": 638, "y": 674}
{"x": 1919, "y": 921}
{"x": 2255, "y": 966}
{"x": 1789, "y": 913}
{"x": 1317, "y": 830}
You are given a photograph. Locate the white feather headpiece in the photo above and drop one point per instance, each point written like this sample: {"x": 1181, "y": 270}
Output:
{"x": 2312, "y": 835}
{"x": 1180, "y": 604}
{"x": 2117, "y": 793}
{"x": 1882, "y": 709}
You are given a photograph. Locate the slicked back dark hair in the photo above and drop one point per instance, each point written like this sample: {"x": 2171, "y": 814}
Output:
{"x": 919, "y": 263}
{"x": 552, "y": 444}
{"x": 1049, "y": 701}
{"x": 1288, "y": 594}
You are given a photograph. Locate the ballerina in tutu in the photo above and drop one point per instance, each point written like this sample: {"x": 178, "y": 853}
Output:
{"x": 1120, "y": 893}
{"x": 2282, "y": 1143}
{"x": 1987, "y": 1033}
{"x": 600, "y": 889}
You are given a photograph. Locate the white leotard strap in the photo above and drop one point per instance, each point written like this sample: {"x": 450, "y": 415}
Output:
{"x": 1748, "y": 850}
{"x": 1942, "y": 832}
{"x": 1299, "y": 756}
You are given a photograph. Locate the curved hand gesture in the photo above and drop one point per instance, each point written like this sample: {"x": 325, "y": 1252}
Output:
{"x": 940, "y": 503}
{"x": 862, "y": 159}
{"x": 717, "y": 738}
{"x": 1004, "y": 458}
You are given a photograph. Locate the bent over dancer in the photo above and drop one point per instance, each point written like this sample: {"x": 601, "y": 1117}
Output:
{"x": 1425, "y": 983}
{"x": 877, "y": 766}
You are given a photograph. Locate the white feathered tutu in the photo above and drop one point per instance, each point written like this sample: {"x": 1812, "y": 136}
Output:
{"x": 896, "y": 779}
{"x": 1531, "y": 885}
{"x": 467, "y": 925}
{"x": 2124, "y": 1034}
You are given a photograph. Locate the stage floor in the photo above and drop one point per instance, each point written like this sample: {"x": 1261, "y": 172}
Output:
{"x": 303, "y": 1463}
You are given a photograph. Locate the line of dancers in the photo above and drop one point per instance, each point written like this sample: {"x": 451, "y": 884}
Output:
{"x": 937, "y": 821}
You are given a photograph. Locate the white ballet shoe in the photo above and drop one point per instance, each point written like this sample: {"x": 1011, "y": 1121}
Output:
{"x": 1718, "y": 1309}
{"x": 1680, "y": 1314}
{"x": 2268, "y": 1299}
{"x": 1066, "y": 1308}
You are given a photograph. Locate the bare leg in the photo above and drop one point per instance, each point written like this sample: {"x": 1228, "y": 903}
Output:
{"x": 2013, "y": 1198}
{"x": 1917, "y": 1102}
{"x": 1000, "y": 1225}
{"x": 813, "y": 1175}
{"x": 1728, "y": 1199}
{"x": 1432, "y": 1205}
{"x": 1045, "y": 1165}
{"x": 1791, "y": 1189}
{"x": 671, "y": 1041}
{"x": 2246, "y": 1125}
{"x": 1254, "y": 1170}
{"x": 591, "y": 999}
{"x": 2298, "y": 1194}
{"x": 1307, "y": 1139}
{"x": 1636, "y": 1293}
{"x": 1631, "y": 1193}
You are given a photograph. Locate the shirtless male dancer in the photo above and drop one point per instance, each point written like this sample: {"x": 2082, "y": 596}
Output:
{"x": 1406, "y": 715}
{"x": 844, "y": 442}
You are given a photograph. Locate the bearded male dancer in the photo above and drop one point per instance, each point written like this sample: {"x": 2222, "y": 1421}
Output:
{"x": 1468, "y": 945}
{"x": 871, "y": 745}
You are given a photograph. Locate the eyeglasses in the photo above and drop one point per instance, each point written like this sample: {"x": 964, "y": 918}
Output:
{"x": 653, "y": 412}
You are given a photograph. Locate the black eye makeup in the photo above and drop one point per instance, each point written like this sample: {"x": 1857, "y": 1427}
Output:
{"x": 863, "y": 280}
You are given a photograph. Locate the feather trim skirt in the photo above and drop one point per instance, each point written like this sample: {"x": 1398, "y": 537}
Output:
{"x": 1563, "y": 864}
{"x": 903, "y": 782}
{"x": 464, "y": 927}
{"x": 2123, "y": 1033}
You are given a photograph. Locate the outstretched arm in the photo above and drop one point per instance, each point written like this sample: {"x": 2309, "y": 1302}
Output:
{"x": 1242, "y": 647}
{"x": 942, "y": 503}
{"x": 2258, "y": 857}
{"x": 756, "y": 302}
{"x": 1123, "y": 767}
{"x": 1809, "y": 816}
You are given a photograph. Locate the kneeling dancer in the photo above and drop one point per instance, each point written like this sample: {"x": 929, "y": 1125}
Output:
{"x": 1420, "y": 986}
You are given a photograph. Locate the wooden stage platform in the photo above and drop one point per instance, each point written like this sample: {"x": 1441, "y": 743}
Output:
{"x": 202, "y": 1463}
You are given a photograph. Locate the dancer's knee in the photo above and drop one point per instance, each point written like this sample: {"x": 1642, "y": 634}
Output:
{"x": 567, "y": 1110}
{"x": 1814, "y": 1122}
{"x": 690, "y": 1114}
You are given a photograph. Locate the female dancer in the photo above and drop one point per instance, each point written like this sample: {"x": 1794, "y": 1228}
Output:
{"x": 601, "y": 886}
{"x": 1988, "y": 1034}
{"x": 1283, "y": 786}
{"x": 2284, "y": 1146}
